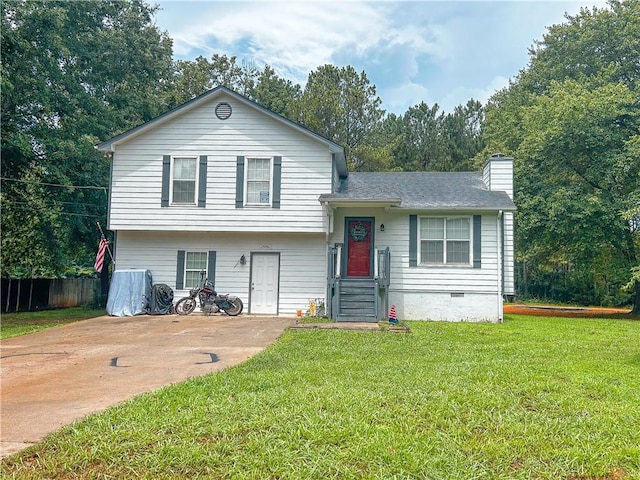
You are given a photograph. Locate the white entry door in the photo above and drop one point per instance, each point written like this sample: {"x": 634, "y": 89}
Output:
{"x": 265, "y": 272}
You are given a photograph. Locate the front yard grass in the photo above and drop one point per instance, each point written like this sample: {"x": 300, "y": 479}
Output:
{"x": 14, "y": 324}
{"x": 532, "y": 398}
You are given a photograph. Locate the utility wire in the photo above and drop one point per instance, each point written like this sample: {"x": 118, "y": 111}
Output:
{"x": 91, "y": 187}
{"x": 11, "y": 201}
{"x": 24, "y": 208}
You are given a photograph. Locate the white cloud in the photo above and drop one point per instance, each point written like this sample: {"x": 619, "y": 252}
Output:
{"x": 297, "y": 36}
{"x": 443, "y": 52}
{"x": 461, "y": 94}
{"x": 399, "y": 98}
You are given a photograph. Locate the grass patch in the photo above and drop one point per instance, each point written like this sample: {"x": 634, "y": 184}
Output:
{"x": 14, "y": 324}
{"x": 543, "y": 398}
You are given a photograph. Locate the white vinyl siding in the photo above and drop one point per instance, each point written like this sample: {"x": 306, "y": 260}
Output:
{"x": 302, "y": 261}
{"x": 428, "y": 278}
{"x": 195, "y": 262}
{"x": 258, "y": 181}
{"x": 445, "y": 240}
{"x": 184, "y": 180}
{"x": 498, "y": 176}
{"x": 509, "y": 257}
{"x": 306, "y": 173}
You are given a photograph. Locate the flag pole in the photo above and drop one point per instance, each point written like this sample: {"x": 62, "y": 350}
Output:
{"x": 108, "y": 249}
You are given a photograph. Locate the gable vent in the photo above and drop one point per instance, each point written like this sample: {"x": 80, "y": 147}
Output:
{"x": 223, "y": 110}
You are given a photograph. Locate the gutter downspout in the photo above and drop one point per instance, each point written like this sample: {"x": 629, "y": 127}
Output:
{"x": 328, "y": 211}
{"x": 499, "y": 228}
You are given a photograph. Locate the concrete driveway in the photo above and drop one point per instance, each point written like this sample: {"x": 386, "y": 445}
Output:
{"x": 53, "y": 377}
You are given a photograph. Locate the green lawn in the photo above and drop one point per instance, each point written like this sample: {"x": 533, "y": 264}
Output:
{"x": 532, "y": 398}
{"x": 14, "y": 324}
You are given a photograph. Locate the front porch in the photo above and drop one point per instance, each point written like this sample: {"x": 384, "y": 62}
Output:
{"x": 358, "y": 299}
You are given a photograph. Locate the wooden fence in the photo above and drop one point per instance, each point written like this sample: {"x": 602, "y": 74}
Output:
{"x": 42, "y": 293}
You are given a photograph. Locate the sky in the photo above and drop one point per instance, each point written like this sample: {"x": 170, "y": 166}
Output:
{"x": 443, "y": 52}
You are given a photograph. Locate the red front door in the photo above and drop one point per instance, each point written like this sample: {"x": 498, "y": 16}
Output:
{"x": 359, "y": 244}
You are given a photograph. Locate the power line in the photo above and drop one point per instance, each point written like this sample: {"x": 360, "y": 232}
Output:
{"x": 25, "y": 208}
{"x": 11, "y": 201}
{"x": 90, "y": 187}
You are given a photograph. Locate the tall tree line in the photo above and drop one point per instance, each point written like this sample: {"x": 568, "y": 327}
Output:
{"x": 76, "y": 73}
{"x": 571, "y": 119}
{"x": 73, "y": 73}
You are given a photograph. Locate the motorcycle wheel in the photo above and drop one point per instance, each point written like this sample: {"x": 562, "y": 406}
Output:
{"x": 185, "y": 306}
{"x": 236, "y": 307}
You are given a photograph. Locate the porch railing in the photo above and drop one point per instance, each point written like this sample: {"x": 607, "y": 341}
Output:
{"x": 380, "y": 283}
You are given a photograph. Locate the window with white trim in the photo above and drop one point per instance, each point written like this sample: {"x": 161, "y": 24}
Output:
{"x": 445, "y": 240}
{"x": 258, "y": 181}
{"x": 184, "y": 174}
{"x": 194, "y": 263}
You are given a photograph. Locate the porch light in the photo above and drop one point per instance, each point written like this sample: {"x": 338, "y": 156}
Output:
{"x": 382, "y": 227}
{"x": 243, "y": 260}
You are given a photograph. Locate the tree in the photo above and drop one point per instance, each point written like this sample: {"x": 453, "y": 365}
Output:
{"x": 73, "y": 73}
{"x": 193, "y": 78}
{"x": 422, "y": 146}
{"x": 576, "y": 147}
{"x": 275, "y": 93}
{"x": 571, "y": 119}
{"x": 599, "y": 46}
{"x": 462, "y": 134}
{"x": 341, "y": 105}
{"x": 435, "y": 141}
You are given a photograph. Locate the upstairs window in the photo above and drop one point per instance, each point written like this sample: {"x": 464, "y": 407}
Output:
{"x": 445, "y": 240}
{"x": 183, "y": 180}
{"x": 258, "y": 181}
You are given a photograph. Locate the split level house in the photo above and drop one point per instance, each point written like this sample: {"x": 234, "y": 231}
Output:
{"x": 270, "y": 211}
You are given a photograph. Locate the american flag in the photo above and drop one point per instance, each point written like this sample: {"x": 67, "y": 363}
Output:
{"x": 102, "y": 247}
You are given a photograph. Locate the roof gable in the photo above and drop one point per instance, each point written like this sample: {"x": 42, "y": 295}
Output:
{"x": 210, "y": 96}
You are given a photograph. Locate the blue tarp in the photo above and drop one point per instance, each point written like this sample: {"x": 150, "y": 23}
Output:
{"x": 129, "y": 292}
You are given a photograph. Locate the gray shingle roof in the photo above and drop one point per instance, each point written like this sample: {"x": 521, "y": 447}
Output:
{"x": 421, "y": 190}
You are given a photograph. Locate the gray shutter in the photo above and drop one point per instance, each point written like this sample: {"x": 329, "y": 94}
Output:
{"x": 211, "y": 266}
{"x": 180, "y": 271}
{"x": 166, "y": 166}
{"x": 277, "y": 179}
{"x": 413, "y": 240}
{"x": 239, "y": 182}
{"x": 202, "y": 183}
{"x": 477, "y": 241}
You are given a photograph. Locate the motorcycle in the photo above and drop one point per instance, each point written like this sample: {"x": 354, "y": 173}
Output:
{"x": 210, "y": 301}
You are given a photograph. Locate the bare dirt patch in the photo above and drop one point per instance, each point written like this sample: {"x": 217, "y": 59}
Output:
{"x": 562, "y": 311}
{"x": 615, "y": 474}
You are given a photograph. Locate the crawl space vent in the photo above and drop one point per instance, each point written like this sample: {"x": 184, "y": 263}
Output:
{"x": 223, "y": 110}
